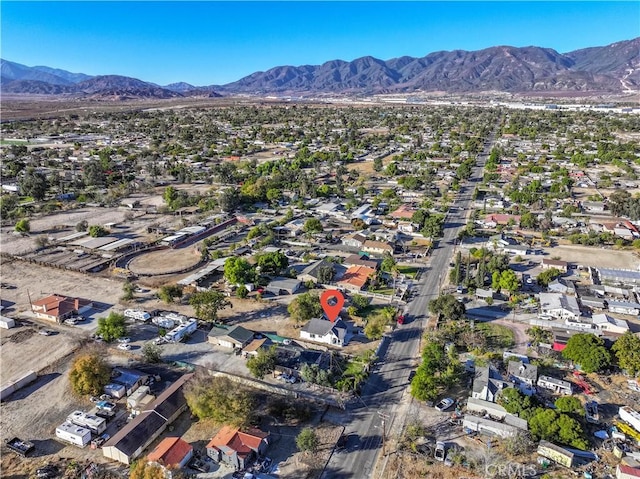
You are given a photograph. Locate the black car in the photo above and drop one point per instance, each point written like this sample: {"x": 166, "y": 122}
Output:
{"x": 47, "y": 472}
{"x": 411, "y": 375}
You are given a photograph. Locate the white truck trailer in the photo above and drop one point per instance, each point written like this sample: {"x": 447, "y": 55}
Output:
{"x": 137, "y": 315}
{"x": 630, "y": 416}
{"x": 178, "y": 334}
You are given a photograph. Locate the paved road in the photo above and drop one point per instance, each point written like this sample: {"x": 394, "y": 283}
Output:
{"x": 381, "y": 395}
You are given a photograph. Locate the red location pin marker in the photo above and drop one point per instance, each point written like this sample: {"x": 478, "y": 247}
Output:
{"x": 332, "y": 302}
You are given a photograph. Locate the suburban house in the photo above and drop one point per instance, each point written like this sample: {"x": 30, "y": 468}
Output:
{"x": 493, "y": 220}
{"x": 235, "y": 337}
{"x": 558, "y": 386}
{"x": 560, "y": 285}
{"x": 57, "y": 307}
{"x": 355, "y": 278}
{"x": 323, "y": 331}
{"x": 488, "y": 383}
{"x": 355, "y": 240}
{"x": 361, "y": 260}
{"x": 236, "y": 448}
{"x": 312, "y": 272}
{"x": 511, "y": 426}
{"x": 523, "y": 375}
{"x": 559, "y": 306}
{"x": 604, "y": 322}
{"x": 172, "y": 453}
{"x": 377, "y": 247}
{"x": 129, "y": 442}
{"x": 554, "y": 263}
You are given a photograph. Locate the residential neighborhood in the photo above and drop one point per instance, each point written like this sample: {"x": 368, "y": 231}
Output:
{"x": 161, "y": 293}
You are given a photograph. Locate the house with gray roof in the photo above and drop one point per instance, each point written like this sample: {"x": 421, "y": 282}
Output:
{"x": 323, "y": 331}
{"x": 523, "y": 375}
{"x": 281, "y": 286}
{"x": 488, "y": 383}
{"x": 235, "y": 337}
{"x": 311, "y": 272}
{"x": 558, "y": 386}
{"x": 559, "y": 306}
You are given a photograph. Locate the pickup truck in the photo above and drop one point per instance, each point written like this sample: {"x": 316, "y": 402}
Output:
{"x": 20, "y": 446}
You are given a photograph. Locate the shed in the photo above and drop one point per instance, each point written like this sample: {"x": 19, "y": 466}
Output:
{"x": 284, "y": 285}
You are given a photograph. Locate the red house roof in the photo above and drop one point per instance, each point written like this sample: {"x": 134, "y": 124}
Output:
{"x": 57, "y": 305}
{"x": 631, "y": 471}
{"x": 170, "y": 452}
{"x": 230, "y": 440}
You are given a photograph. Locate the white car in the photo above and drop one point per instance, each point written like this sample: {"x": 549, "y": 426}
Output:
{"x": 445, "y": 404}
{"x": 440, "y": 451}
{"x": 124, "y": 340}
{"x": 124, "y": 346}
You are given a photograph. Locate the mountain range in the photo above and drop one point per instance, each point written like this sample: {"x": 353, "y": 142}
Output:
{"x": 613, "y": 68}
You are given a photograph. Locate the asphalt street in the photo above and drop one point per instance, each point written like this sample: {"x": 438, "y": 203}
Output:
{"x": 377, "y": 409}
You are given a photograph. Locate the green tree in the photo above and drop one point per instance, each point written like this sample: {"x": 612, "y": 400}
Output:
{"x": 307, "y": 440}
{"x": 112, "y": 327}
{"x": 263, "y": 363}
{"x": 528, "y": 220}
{"x": 82, "y": 226}
{"x": 151, "y": 352}
{"x": 23, "y": 226}
{"x": 304, "y": 307}
{"x": 588, "y": 351}
{"x": 170, "y": 292}
{"x": 326, "y": 273}
{"x": 360, "y": 302}
{"x": 96, "y": 231}
{"x": 509, "y": 281}
{"x": 220, "y": 400}
{"x": 547, "y": 276}
{"x": 627, "y": 352}
{"x": 242, "y": 291}
{"x": 128, "y": 289}
{"x": 388, "y": 263}
{"x": 206, "y": 304}
{"x": 313, "y": 225}
{"x": 514, "y": 401}
{"x": 447, "y": 306}
{"x": 229, "y": 200}
{"x": 170, "y": 195}
{"x": 377, "y": 164}
{"x": 569, "y": 404}
{"x": 539, "y": 335}
{"x": 544, "y": 424}
{"x": 89, "y": 374}
{"x": 34, "y": 184}
{"x": 239, "y": 271}
{"x": 273, "y": 263}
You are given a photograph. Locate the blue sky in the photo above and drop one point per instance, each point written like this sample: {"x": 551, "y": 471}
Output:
{"x": 206, "y": 43}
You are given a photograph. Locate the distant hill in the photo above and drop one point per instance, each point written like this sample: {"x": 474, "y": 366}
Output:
{"x": 500, "y": 68}
{"x": 613, "y": 68}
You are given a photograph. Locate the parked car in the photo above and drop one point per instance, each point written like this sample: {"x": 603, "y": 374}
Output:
{"x": 106, "y": 406}
{"x": 124, "y": 340}
{"x": 440, "y": 451}
{"x": 45, "y": 332}
{"x": 400, "y": 319}
{"x": 124, "y": 346}
{"x": 412, "y": 375}
{"x": 445, "y": 404}
{"x": 47, "y": 472}
{"x": 71, "y": 321}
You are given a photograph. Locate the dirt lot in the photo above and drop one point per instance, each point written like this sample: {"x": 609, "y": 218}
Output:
{"x": 164, "y": 261}
{"x": 599, "y": 257}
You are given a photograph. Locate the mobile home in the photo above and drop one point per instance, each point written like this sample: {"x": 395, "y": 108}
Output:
{"x": 73, "y": 434}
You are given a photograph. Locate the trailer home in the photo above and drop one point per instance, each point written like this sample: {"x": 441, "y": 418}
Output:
{"x": 97, "y": 425}
{"x": 73, "y": 434}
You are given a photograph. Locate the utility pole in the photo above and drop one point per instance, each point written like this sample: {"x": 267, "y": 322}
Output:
{"x": 383, "y": 417}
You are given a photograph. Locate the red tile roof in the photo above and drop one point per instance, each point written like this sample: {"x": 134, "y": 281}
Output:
{"x": 230, "y": 440}
{"x": 170, "y": 452}
{"x": 58, "y": 306}
{"x": 357, "y": 276}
